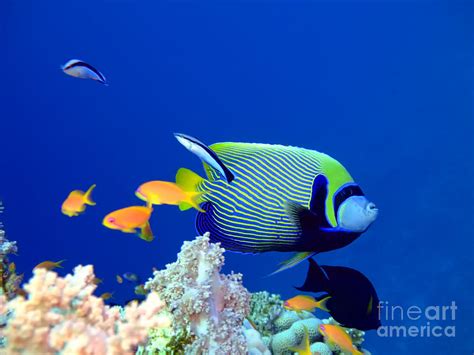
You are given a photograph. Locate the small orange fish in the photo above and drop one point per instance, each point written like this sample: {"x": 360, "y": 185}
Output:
{"x": 96, "y": 281}
{"x": 129, "y": 219}
{"x": 119, "y": 279}
{"x": 305, "y": 347}
{"x": 106, "y": 296}
{"x": 49, "y": 265}
{"x": 181, "y": 193}
{"x": 76, "y": 202}
{"x": 336, "y": 336}
{"x": 306, "y": 303}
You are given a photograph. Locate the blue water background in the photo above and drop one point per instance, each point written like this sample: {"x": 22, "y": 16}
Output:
{"x": 385, "y": 87}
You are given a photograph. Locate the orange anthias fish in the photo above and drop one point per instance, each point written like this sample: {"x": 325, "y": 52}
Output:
{"x": 119, "y": 279}
{"x": 76, "y": 202}
{"x": 129, "y": 219}
{"x": 181, "y": 193}
{"x": 106, "y": 296}
{"x": 49, "y": 265}
{"x": 336, "y": 336}
{"x": 305, "y": 303}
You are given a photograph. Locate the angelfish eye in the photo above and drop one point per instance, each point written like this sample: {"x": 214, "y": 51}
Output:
{"x": 111, "y": 220}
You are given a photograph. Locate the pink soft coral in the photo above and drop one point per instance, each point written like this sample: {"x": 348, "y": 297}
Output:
{"x": 62, "y": 315}
{"x": 205, "y": 303}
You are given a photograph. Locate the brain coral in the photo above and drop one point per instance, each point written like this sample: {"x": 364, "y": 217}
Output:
{"x": 293, "y": 336}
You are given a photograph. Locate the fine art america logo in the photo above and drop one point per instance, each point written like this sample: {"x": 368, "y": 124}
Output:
{"x": 415, "y": 321}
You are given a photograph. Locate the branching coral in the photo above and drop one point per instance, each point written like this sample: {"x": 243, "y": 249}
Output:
{"x": 9, "y": 280}
{"x": 206, "y": 305}
{"x": 265, "y": 307}
{"x": 61, "y": 316}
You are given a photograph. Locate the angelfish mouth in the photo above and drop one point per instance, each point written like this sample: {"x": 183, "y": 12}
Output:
{"x": 372, "y": 208}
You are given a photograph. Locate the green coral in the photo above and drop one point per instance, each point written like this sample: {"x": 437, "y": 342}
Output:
{"x": 264, "y": 308}
{"x": 283, "y": 341}
{"x": 161, "y": 342}
{"x": 164, "y": 341}
{"x": 283, "y": 329}
{"x": 320, "y": 348}
{"x": 9, "y": 279}
{"x": 179, "y": 341}
{"x": 287, "y": 318}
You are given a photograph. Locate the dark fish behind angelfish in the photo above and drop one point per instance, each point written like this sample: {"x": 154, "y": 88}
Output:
{"x": 352, "y": 301}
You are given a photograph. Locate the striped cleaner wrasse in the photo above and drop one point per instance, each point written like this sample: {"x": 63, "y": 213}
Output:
{"x": 263, "y": 197}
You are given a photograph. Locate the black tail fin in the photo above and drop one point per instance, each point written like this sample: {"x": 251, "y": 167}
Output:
{"x": 316, "y": 278}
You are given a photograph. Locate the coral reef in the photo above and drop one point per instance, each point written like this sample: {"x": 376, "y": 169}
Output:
{"x": 61, "y": 316}
{"x": 320, "y": 348}
{"x": 208, "y": 312}
{"x": 255, "y": 344}
{"x": 283, "y": 329}
{"x": 9, "y": 280}
{"x": 265, "y": 307}
{"x": 209, "y": 308}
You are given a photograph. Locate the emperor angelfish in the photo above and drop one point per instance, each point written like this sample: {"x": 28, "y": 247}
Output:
{"x": 80, "y": 69}
{"x": 279, "y": 198}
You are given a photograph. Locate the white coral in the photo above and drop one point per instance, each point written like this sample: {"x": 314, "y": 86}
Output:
{"x": 208, "y": 305}
{"x": 61, "y": 315}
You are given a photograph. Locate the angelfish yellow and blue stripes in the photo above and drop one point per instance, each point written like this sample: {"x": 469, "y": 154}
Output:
{"x": 250, "y": 211}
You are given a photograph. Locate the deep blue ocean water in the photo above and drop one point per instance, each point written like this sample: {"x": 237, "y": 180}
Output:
{"x": 384, "y": 87}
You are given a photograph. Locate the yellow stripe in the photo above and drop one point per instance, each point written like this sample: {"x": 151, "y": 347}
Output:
{"x": 288, "y": 184}
{"x": 233, "y": 219}
{"x": 303, "y": 170}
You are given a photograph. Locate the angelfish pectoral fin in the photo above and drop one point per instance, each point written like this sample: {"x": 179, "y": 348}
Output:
{"x": 308, "y": 221}
{"x": 206, "y": 154}
{"x": 294, "y": 260}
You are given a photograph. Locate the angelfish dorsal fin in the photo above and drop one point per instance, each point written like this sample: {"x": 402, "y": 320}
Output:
{"x": 206, "y": 154}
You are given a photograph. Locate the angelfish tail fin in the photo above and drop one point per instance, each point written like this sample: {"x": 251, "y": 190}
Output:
{"x": 88, "y": 196}
{"x": 294, "y": 260}
{"x": 189, "y": 181}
